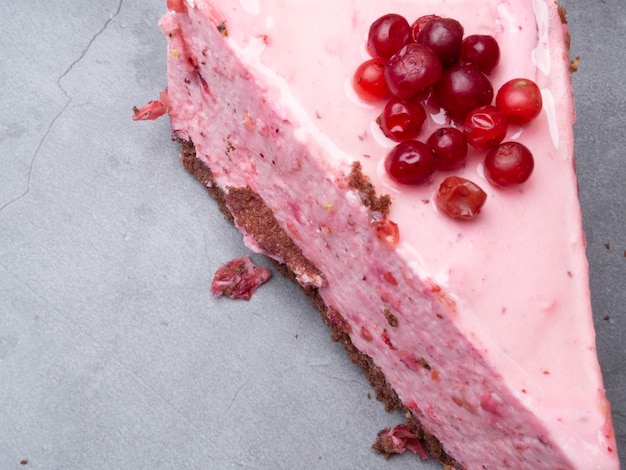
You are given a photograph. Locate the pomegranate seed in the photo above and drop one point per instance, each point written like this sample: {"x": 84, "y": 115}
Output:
{"x": 508, "y": 164}
{"x": 485, "y": 127}
{"x": 444, "y": 37}
{"x": 410, "y": 162}
{"x": 402, "y": 120}
{"x": 460, "y": 198}
{"x": 412, "y": 69}
{"x": 450, "y": 148}
{"x": 482, "y": 51}
{"x": 520, "y": 99}
{"x": 461, "y": 89}
{"x": 369, "y": 81}
{"x": 387, "y": 35}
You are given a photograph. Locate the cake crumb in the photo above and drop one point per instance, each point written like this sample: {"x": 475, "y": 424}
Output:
{"x": 222, "y": 29}
{"x": 397, "y": 441}
{"x": 391, "y": 318}
{"x": 363, "y": 186}
{"x": 239, "y": 278}
{"x": 153, "y": 110}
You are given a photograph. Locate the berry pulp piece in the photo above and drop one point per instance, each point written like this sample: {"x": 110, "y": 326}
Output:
{"x": 412, "y": 69}
{"x": 508, "y": 164}
{"x": 387, "y": 35}
{"x": 460, "y": 198}
{"x": 410, "y": 162}
{"x": 177, "y": 6}
{"x": 387, "y": 231}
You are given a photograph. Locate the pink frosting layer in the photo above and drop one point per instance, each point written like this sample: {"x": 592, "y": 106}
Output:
{"x": 498, "y": 308}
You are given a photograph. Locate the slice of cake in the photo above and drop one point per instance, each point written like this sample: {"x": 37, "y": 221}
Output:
{"x": 481, "y": 329}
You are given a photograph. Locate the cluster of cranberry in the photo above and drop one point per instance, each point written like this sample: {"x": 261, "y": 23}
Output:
{"x": 431, "y": 61}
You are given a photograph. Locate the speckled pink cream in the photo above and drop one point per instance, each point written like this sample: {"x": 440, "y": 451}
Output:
{"x": 494, "y": 348}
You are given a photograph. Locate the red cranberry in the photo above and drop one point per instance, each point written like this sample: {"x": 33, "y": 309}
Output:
{"x": 412, "y": 69}
{"x": 485, "y": 127}
{"x": 387, "y": 35}
{"x": 444, "y": 37}
{"x": 481, "y": 50}
{"x": 419, "y": 24}
{"x": 520, "y": 99}
{"x": 450, "y": 148}
{"x": 369, "y": 81}
{"x": 410, "y": 162}
{"x": 460, "y": 198}
{"x": 461, "y": 89}
{"x": 402, "y": 120}
{"x": 508, "y": 164}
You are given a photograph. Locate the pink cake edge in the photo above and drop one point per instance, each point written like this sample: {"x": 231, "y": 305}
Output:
{"x": 230, "y": 204}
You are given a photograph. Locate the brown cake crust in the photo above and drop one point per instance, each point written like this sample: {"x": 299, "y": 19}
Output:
{"x": 246, "y": 209}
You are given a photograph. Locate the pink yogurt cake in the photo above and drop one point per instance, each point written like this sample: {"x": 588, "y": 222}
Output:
{"x": 480, "y": 330}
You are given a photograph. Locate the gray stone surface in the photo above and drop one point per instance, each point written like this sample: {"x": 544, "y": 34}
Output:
{"x": 113, "y": 354}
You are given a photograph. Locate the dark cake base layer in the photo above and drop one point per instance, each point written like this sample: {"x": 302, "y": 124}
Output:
{"x": 245, "y": 208}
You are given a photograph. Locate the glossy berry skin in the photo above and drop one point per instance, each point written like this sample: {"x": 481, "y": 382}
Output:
{"x": 520, "y": 99}
{"x": 508, "y": 164}
{"x": 419, "y": 24}
{"x": 460, "y": 198}
{"x": 410, "y": 162}
{"x": 402, "y": 120}
{"x": 387, "y": 35}
{"x": 462, "y": 88}
{"x": 411, "y": 70}
{"x": 369, "y": 81}
{"x": 450, "y": 148}
{"x": 444, "y": 37}
{"x": 485, "y": 127}
{"x": 482, "y": 51}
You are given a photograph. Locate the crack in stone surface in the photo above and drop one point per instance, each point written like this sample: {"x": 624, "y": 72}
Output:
{"x": 53, "y": 121}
